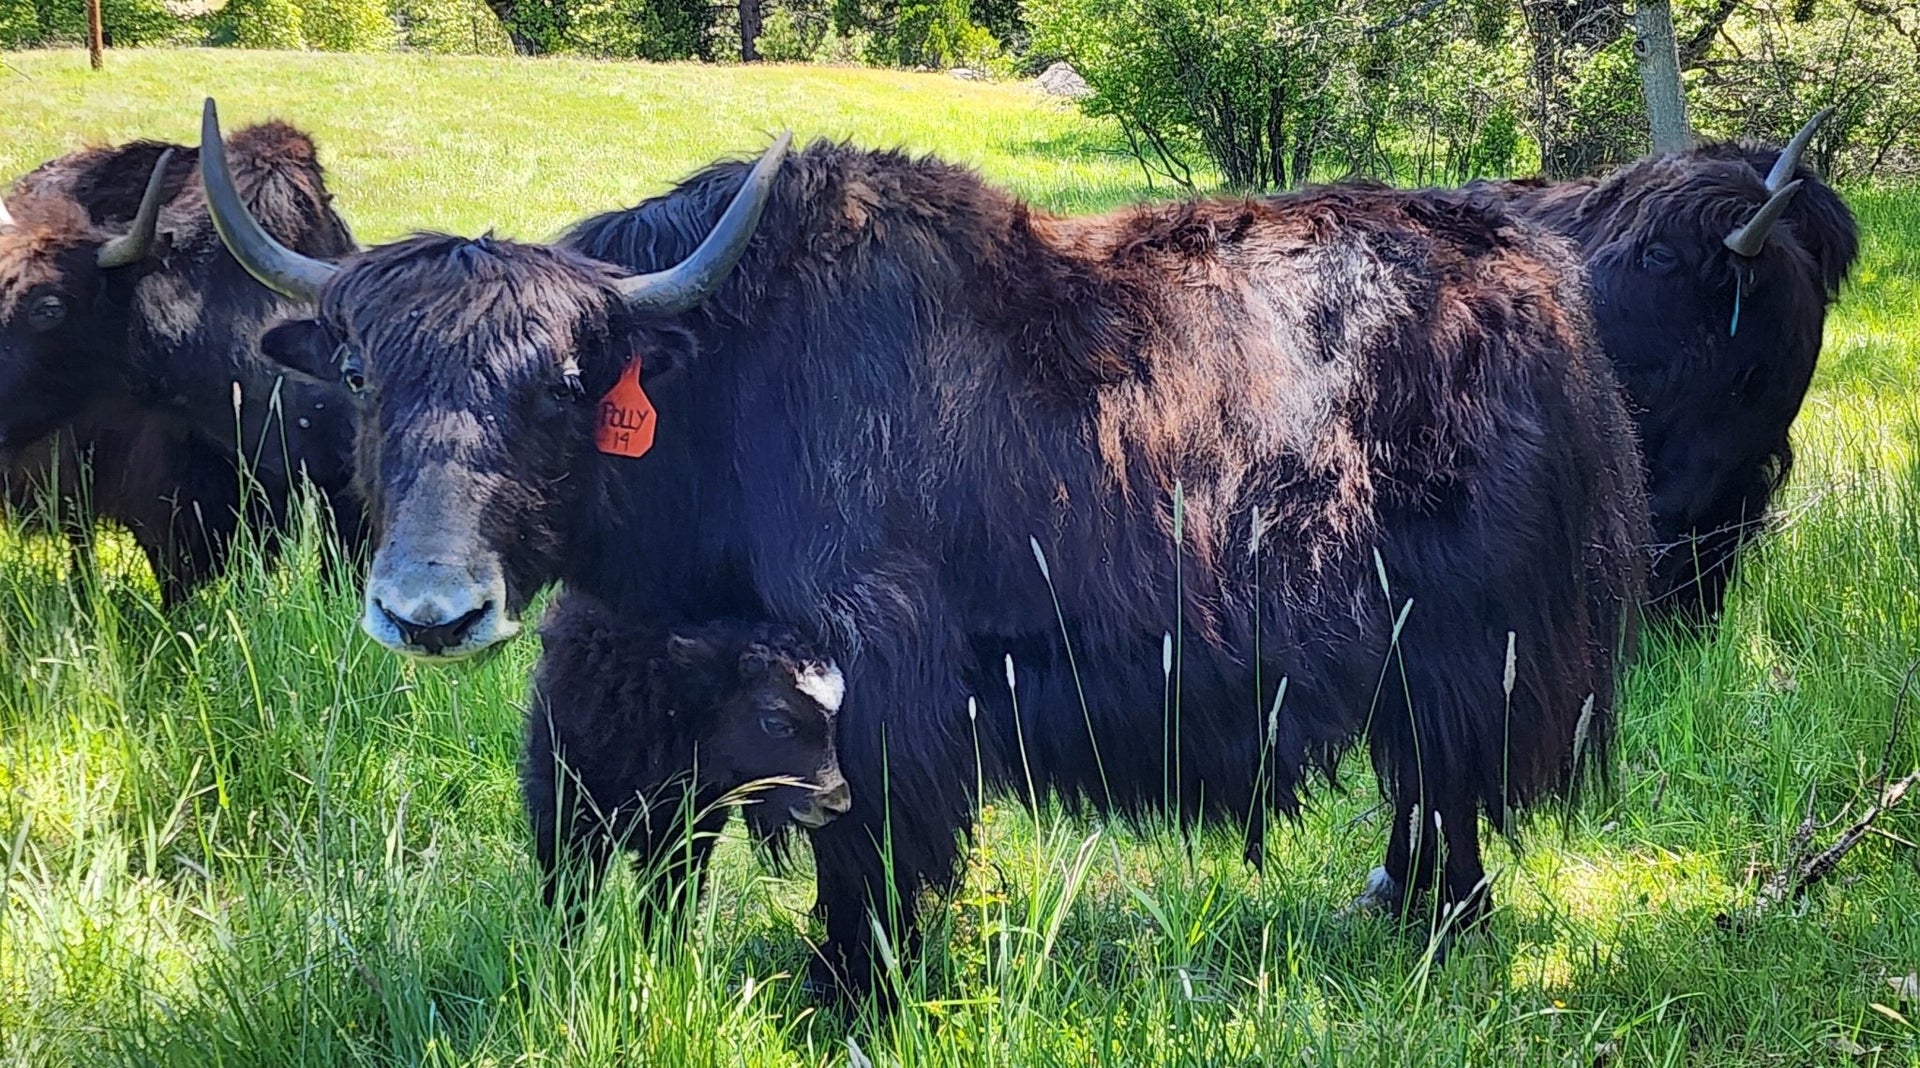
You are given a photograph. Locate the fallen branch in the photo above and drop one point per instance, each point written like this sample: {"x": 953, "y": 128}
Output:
{"x": 1798, "y": 875}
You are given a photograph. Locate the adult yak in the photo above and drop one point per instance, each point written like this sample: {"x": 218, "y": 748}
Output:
{"x": 1711, "y": 272}
{"x": 1349, "y": 445}
{"x": 127, "y": 339}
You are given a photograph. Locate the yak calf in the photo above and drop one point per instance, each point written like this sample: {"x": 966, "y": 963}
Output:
{"x": 638, "y": 735}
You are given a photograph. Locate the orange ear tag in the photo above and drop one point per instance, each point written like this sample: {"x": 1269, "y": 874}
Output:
{"x": 623, "y": 420}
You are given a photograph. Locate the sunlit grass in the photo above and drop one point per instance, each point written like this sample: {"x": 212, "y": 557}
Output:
{"x": 240, "y": 834}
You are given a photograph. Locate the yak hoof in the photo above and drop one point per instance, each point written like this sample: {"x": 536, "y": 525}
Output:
{"x": 846, "y": 987}
{"x": 1384, "y": 894}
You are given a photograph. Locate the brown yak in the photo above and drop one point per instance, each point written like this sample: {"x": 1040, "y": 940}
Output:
{"x": 1166, "y": 507}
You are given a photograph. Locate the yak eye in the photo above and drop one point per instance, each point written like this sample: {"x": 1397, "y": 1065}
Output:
{"x": 47, "y": 312}
{"x": 777, "y": 727}
{"x": 351, "y": 373}
{"x": 569, "y": 388}
{"x": 1659, "y": 258}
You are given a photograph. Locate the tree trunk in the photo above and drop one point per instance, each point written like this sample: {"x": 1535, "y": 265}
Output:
{"x": 1659, "y": 56}
{"x": 504, "y": 11}
{"x": 96, "y": 36}
{"x": 749, "y": 31}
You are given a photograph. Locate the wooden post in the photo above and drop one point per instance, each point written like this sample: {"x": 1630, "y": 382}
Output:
{"x": 749, "y": 31}
{"x": 96, "y": 36}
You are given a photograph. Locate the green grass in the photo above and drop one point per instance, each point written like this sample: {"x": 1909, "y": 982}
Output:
{"x": 242, "y": 835}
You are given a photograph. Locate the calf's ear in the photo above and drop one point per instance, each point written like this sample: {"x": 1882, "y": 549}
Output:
{"x": 687, "y": 650}
{"x": 304, "y": 346}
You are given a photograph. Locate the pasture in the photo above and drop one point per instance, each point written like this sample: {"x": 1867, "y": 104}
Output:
{"x": 242, "y": 834}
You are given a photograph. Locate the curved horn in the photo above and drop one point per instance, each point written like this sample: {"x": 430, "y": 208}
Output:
{"x": 276, "y": 266}
{"x": 1789, "y": 160}
{"x": 694, "y": 279}
{"x": 138, "y": 242}
{"x": 1749, "y": 239}
{"x": 6, "y": 217}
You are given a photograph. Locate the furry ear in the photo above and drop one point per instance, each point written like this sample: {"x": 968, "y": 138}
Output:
{"x": 755, "y": 661}
{"x": 664, "y": 349}
{"x": 689, "y": 650}
{"x": 304, "y": 346}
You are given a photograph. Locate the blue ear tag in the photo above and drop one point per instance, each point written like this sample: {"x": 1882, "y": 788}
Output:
{"x": 1734, "y": 327}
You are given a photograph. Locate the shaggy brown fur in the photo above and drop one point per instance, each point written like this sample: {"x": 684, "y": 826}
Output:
{"x": 1716, "y": 351}
{"x": 645, "y": 737}
{"x": 1356, "y": 440}
{"x": 140, "y": 379}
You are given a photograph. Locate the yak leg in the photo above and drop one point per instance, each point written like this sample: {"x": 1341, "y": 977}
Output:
{"x": 1435, "y": 837}
{"x": 910, "y": 805}
{"x": 907, "y": 752}
{"x": 551, "y": 795}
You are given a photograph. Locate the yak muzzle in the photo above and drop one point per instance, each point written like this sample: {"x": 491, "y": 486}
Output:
{"x": 436, "y": 610}
{"x": 823, "y": 807}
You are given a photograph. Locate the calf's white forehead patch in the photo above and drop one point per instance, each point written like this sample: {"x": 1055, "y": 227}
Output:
{"x": 824, "y": 684}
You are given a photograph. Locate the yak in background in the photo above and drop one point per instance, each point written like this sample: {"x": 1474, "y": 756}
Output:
{"x": 128, "y": 343}
{"x": 1711, "y": 272}
{"x": 1353, "y": 446}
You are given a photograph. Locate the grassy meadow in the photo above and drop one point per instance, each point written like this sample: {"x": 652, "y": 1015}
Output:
{"x": 241, "y": 834}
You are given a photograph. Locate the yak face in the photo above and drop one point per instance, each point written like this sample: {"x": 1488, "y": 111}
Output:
{"x": 1716, "y": 349}
{"x": 764, "y": 709}
{"x": 1716, "y": 346}
{"x": 66, "y": 296}
{"x": 477, "y": 366}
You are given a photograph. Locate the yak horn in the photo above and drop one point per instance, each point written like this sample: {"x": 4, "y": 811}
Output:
{"x": 1789, "y": 160}
{"x": 276, "y": 266}
{"x": 694, "y": 279}
{"x": 6, "y": 217}
{"x": 1752, "y": 237}
{"x": 139, "y": 240}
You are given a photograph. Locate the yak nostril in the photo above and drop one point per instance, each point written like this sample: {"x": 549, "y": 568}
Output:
{"x": 838, "y": 800}
{"x": 405, "y": 626}
{"x": 435, "y": 637}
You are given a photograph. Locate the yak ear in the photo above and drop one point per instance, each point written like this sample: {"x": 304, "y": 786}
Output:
{"x": 664, "y": 349}
{"x": 689, "y": 650}
{"x": 304, "y": 346}
{"x": 755, "y": 661}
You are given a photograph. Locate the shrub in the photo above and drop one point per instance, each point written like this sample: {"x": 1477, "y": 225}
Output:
{"x": 1254, "y": 83}
{"x": 918, "y": 33}
{"x": 449, "y": 27}
{"x": 794, "y": 32}
{"x": 260, "y": 24}
{"x": 638, "y": 29}
{"x": 1798, "y": 56}
{"x": 37, "y": 23}
{"x": 347, "y": 25}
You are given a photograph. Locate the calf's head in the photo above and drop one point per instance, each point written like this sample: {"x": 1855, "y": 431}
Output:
{"x": 479, "y": 368}
{"x": 66, "y": 292}
{"x": 759, "y": 707}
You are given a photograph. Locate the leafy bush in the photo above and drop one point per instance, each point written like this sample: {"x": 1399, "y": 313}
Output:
{"x": 639, "y": 29}
{"x": 347, "y": 25}
{"x": 1794, "y": 58}
{"x": 845, "y": 49}
{"x": 795, "y": 32}
{"x": 260, "y": 24}
{"x": 1255, "y": 83}
{"x": 450, "y": 27}
{"x": 918, "y": 33}
{"x": 38, "y": 23}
